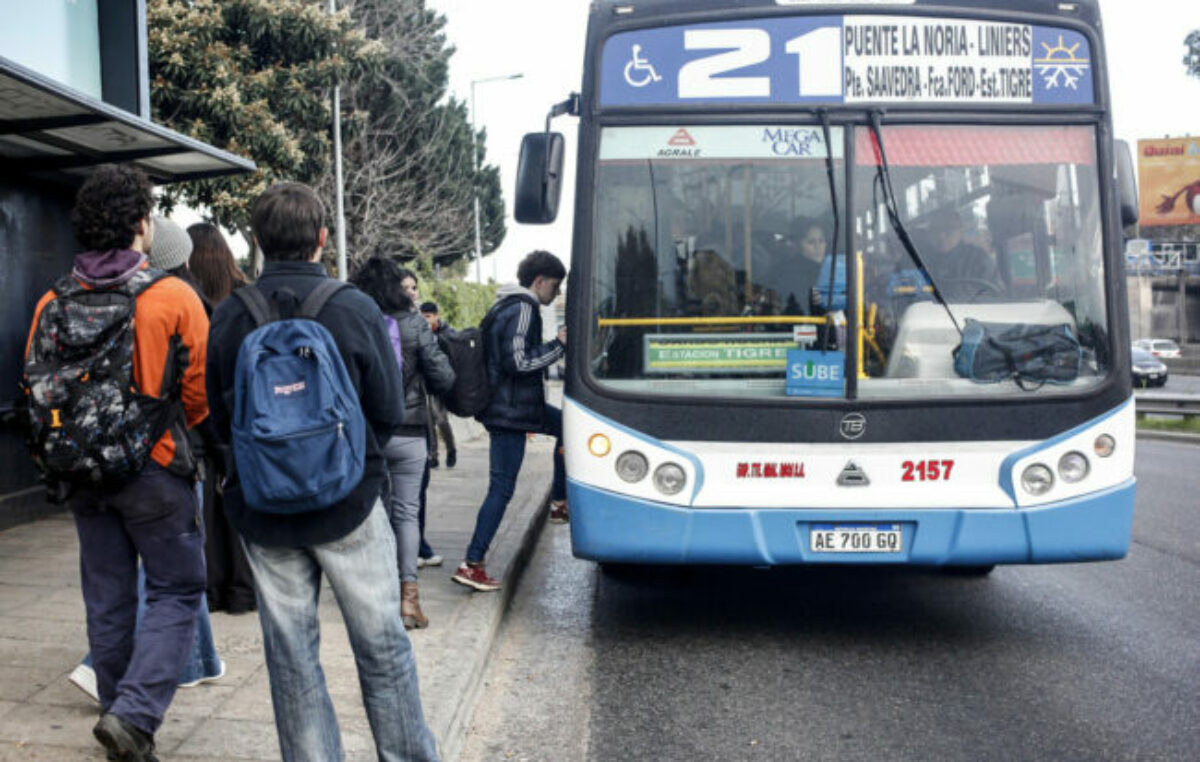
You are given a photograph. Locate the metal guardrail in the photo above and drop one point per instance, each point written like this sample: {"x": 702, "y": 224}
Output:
{"x": 1188, "y": 365}
{"x": 1185, "y": 405}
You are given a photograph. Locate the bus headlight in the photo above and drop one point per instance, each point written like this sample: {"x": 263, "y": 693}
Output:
{"x": 632, "y": 466}
{"x": 1073, "y": 467}
{"x": 1104, "y": 445}
{"x": 599, "y": 445}
{"x": 1037, "y": 479}
{"x": 669, "y": 478}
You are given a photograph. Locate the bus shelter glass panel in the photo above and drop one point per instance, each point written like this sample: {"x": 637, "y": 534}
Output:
{"x": 1005, "y": 222}
{"x": 709, "y": 247}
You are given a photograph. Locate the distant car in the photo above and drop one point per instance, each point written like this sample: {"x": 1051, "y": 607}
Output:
{"x": 1158, "y": 347}
{"x": 1148, "y": 370}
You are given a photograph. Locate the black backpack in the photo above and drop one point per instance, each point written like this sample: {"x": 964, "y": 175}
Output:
{"x": 471, "y": 392}
{"x": 88, "y": 423}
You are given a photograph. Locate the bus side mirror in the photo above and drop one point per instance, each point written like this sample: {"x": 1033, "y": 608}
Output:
{"x": 539, "y": 178}
{"x": 1126, "y": 179}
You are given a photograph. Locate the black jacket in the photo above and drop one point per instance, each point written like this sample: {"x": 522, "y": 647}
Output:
{"x": 358, "y": 329}
{"x": 426, "y": 369}
{"x": 516, "y": 361}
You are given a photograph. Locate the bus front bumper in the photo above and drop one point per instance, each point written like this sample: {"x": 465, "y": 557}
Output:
{"x": 609, "y": 527}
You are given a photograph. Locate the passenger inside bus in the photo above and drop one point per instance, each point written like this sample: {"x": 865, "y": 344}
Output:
{"x": 961, "y": 269}
{"x": 796, "y": 268}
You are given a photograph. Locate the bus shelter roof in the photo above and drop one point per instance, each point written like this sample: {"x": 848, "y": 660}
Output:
{"x": 50, "y": 130}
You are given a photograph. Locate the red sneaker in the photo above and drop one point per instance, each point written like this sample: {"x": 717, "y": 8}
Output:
{"x": 476, "y": 577}
{"x": 558, "y": 512}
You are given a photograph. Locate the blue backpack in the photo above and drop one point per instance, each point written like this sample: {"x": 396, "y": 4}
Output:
{"x": 299, "y": 436}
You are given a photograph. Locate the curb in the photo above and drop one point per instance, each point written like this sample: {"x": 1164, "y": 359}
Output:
{"x": 486, "y": 614}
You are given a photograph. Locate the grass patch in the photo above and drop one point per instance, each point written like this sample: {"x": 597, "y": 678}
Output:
{"x": 1186, "y": 425}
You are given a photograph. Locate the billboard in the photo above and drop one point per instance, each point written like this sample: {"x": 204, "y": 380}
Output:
{"x": 1169, "y": 181}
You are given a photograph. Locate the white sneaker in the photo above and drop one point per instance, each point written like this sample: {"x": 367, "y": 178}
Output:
{"x": 84, "y": 678}
{"x": 209, "y": 679}
{"x": 434, "y": 560}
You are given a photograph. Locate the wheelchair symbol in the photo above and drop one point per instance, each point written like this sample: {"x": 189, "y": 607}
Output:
{"x": 638, "y": 71}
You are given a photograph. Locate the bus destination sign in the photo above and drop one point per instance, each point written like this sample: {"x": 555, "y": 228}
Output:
{"x": 717, "y": 353}
{"x": 813, "y": 60}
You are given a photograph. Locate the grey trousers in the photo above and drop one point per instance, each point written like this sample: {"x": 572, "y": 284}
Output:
{"x": 406, "y": 465}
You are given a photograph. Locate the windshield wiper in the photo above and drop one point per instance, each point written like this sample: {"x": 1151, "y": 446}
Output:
{"x": 893, "y": 212}
{"x": 829, "y": 324}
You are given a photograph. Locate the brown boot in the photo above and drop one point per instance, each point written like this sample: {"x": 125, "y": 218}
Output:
{"x": 410, "y": 607}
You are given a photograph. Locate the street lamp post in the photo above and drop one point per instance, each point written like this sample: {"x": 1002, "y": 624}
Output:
{"x": 475, "y": 178}
{"x": 339, "y": 191}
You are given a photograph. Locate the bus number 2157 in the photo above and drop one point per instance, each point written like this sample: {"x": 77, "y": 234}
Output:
{"x": 926, "y": 470}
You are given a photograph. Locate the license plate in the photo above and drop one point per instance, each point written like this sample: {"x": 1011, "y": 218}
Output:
{"x": 856, "y": 538}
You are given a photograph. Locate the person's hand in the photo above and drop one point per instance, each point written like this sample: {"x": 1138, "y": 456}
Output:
{"x": 562, "y": 334}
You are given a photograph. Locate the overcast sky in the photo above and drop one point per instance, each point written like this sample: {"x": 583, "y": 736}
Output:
{"x": 543, "y": 40}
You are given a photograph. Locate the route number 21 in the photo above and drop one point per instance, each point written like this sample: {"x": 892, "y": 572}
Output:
{"x": 817, "y": 53}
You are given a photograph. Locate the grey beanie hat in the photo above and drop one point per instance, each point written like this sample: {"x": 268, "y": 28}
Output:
{"x": 171, "y": 246}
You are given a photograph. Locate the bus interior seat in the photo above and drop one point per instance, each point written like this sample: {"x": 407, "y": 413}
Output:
{"x": 925, "y": 337}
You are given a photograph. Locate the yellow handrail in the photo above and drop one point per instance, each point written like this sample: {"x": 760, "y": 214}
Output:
{"x": 751, "y": 320}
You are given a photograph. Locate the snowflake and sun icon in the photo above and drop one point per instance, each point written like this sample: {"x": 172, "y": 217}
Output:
{"x": 1059, "y": 65}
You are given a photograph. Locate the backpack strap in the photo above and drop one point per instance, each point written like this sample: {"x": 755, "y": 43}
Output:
{"x": 313, "y": 304}
{"x": 144, "y": 279}
{"x": 255, "y": 302}
{"x": 494, "y": 312}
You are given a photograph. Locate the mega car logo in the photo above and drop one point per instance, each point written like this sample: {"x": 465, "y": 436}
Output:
{"x": 770, "y": 470}
{"x": 680, "y": 146}
{"x": 853, "y": 425}
{"x": 792, "y": 142}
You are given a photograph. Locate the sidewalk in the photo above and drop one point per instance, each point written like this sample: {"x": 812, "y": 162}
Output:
{"x": 42, "y": 635}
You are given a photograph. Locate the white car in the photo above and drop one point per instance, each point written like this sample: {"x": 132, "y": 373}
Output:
{"x": 1158, "y": 347}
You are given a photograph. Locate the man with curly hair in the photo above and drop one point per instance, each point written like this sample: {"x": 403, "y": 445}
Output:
{"x": 153, "y": 514}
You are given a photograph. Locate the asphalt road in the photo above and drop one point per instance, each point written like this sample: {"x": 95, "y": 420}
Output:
{"x": 1180, "y": 384}
{"x": 1072, "y": 662}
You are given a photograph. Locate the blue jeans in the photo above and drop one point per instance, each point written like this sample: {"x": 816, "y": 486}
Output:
{"x": 203, "y": 660}
{"x": 156, "y": 516}
{"x": 361, "y": 569}
{"x": 507, "y": 452}
{"x": 424, "y": 549}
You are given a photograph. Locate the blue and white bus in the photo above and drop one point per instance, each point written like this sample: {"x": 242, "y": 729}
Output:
{"x": 846, "y": 285}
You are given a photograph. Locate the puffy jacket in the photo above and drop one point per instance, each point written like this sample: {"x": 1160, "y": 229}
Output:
{"x": 516, "y": 361}
{"x": 426, "y": 369}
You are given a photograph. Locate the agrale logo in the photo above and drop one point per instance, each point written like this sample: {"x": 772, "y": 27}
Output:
{"x": 682, "y": 146}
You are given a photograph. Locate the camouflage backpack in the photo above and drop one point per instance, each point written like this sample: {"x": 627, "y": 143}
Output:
{"x": 88, "y": 422}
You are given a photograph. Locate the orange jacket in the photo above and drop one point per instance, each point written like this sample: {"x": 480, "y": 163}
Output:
{"x": 166, "y": 308}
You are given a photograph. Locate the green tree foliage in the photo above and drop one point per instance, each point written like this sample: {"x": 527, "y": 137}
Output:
{"x": 409, "y": 173}
{"x": 1192, "y": 59}
{"x": 460, "y": 303}
{"x": 252, "y": 77}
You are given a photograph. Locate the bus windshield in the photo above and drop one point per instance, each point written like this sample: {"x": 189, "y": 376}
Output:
{"x": 708, "y": 245}
{"x": 715, "y": 257}
{"x": 1006, "y": 222}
